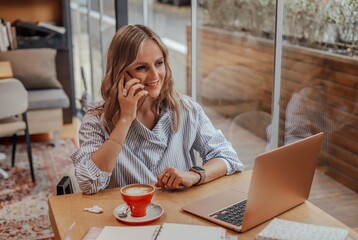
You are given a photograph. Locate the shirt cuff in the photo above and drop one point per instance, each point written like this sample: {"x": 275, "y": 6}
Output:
{"x": 230, "y": 168}
{"x": 96, "y": 172}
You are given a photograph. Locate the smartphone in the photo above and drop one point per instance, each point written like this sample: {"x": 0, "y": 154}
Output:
{"x": 142, "y": 99}
{"x": 124, "y": 82}
{"x": 129, "y": 74}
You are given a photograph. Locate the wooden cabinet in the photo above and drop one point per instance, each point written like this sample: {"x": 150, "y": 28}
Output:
{"x": 59, "y": 12}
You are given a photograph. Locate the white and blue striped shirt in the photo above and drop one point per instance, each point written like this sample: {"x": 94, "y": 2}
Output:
{"x": 146, "y": 153}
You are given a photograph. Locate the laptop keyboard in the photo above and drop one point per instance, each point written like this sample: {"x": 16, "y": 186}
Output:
{"x": 232, "y": 214}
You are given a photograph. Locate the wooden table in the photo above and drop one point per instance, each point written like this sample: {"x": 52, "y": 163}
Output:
{"x": 66, "y": 209}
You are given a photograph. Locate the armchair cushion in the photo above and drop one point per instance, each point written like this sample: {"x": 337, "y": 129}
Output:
{"x": 48, "y": 98}
{"x": 35, "y": 68}
{"x": 12, "y": 125}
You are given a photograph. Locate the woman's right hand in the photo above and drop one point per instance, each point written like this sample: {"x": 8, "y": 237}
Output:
{"x": 129, "y": 103}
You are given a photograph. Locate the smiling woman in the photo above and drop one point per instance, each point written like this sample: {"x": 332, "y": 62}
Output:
{"x": 145, "y": 131}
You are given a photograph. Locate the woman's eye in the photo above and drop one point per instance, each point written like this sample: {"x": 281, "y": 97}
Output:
{"x": 140, "y": 68}
{"x": 160, "y": 63}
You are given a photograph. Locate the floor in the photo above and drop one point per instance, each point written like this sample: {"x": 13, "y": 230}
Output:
{"x": 329, "y": 195}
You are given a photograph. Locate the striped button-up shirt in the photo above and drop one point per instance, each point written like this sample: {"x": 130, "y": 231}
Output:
{"x": 146, "y": 153}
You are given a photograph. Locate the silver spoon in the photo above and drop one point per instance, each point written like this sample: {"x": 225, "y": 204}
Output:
{"x": 123, "y": 212}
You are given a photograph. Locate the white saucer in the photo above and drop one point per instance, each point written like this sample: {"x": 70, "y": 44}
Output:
{"x": 154, "y": 211}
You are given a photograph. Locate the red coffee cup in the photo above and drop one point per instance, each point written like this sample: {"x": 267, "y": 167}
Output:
{"x": 138, "y": 196}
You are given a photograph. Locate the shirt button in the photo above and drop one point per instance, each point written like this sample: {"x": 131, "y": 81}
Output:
{"x": 97, "y": 175}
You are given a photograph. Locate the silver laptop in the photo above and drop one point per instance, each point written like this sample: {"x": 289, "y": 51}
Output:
{"x": 281, "y": 179}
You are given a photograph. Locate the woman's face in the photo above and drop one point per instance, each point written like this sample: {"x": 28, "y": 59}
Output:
{"x": 149, "y": 67}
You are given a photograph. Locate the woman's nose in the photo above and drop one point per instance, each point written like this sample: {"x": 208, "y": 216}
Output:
{"x": 153, "y": 74}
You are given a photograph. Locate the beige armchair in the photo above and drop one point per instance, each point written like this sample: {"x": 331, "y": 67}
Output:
{"x": 13, "y": 118}
{"x": 46, "y": 97}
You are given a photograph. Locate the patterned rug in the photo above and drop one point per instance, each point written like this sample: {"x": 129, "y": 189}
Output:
{"x": 23, "y": 205}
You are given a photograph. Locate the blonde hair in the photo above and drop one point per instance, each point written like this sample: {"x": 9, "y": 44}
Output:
{"x": 122, "y": 52}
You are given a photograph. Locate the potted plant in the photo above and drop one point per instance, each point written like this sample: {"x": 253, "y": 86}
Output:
{"x": 325, "y": 25}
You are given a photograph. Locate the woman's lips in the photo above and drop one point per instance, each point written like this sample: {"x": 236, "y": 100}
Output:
{"x": 152, "y": 85}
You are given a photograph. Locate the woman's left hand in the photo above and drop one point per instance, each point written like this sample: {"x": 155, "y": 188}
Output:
{"x": 175, "y": 178}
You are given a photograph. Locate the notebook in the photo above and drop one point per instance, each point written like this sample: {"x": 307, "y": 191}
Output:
{"x": 168, "y": 231}
{"x": 281, "y": 179}
{"x": 280, "y": 229}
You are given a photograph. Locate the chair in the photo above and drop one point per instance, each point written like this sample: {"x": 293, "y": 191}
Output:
{"x": 13, "y": 118}
{"x": 247, "y": 134}
{"x": 46, "y": 96}
{"x": 64, "y": 186}
{"x": 3, "y": 173}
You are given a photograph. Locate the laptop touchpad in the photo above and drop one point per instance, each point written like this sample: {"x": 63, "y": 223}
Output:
{"x": 216, "y": 202}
